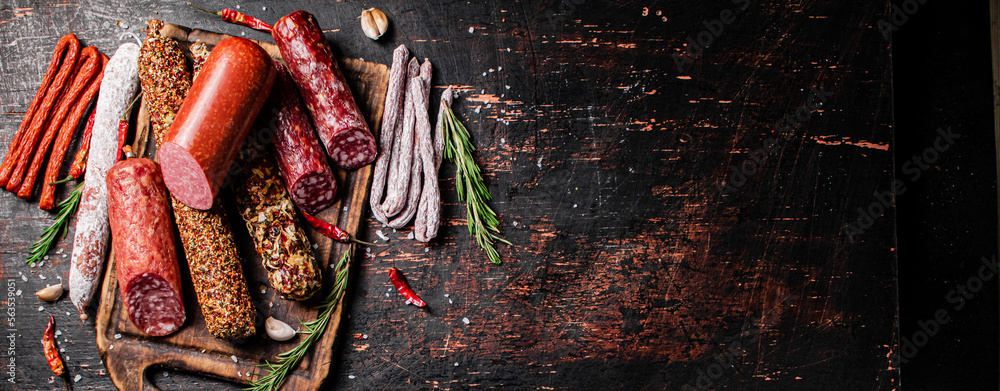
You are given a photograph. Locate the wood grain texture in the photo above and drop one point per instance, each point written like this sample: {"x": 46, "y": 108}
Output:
{"x": 630, "y": 270}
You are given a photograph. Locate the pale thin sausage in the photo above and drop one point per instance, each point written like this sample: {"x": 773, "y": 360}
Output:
{"x": 390, "y": 122}
{"x": 402, "y": 151}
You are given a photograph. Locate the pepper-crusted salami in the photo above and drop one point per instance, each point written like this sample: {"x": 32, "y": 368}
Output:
{"x": 142, "y": 236}
{"x": 121, "y": 77}
{"x": 390, "y": 122}
{"x": 164, "y": 75}
{"x": 214, "y": 119}
{"x": 338, "y": 119}
{"x": 308, "y": 177}
{"x": 402, "y": 151}
{"x": 209, "y": 245}
{"x": 65, "y": 44}
{"x": 270, "y": 217}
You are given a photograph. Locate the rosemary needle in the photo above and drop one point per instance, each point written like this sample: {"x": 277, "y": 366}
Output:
{"x": 482, "y": 221}
{"x": 287, "y": 361}
{"x": 66, "y": 210}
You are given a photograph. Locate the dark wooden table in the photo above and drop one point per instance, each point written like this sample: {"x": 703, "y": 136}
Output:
{"x": 681, "y": 180}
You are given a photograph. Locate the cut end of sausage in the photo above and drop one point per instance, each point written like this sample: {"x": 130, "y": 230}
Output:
{"x": 184, "y": 177}
{"x": 352, "y": 149}
{"x": 314, "y": 191}
{"x": 153, "y": 305}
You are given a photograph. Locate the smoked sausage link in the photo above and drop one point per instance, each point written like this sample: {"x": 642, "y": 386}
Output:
{"x": 214, "y": 119}
{"x": 142, "y": 236}
{"x": 325, "y": 91}
{"x": 303, "y": 164}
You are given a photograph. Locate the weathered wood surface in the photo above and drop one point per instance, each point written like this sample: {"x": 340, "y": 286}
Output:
{"x": 631, "y": 269}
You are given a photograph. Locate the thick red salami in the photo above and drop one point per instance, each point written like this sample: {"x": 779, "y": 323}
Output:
{"x": 143, "y": 239}
{"x": 325, "y": 91}
{"x": 308, "y": 177}
{"x": 214, "y": 119}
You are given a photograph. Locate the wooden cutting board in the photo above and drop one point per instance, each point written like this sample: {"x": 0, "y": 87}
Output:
{"x": 128, "y": 354}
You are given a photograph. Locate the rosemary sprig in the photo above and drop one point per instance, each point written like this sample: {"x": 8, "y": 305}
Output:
{"x": 67, "y": 209}
{"x": 287, "y": 361}
{"x": 482, "y": 221}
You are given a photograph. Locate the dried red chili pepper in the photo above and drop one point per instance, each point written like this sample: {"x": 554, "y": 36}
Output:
{"x": 123, "y": 127}
{"x": 80, "y": 160}
{"x": 236, "y": 17}
{"x": 404, "y": 289}
{"x": 51, "y": 351}
{"x": 332, "y": 231}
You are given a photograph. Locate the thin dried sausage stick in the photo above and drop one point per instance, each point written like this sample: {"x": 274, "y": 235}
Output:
{"x": 429, "y": 214}
{"x": 325, "y": 92}
{"x": 88, "y": 65}
{"x": 41, "y": 118}
{"x": 121, "y": 78}
{"x": 418, "y": 91}
{"x": 412, "y": 194}
{"x": 308, "y": 176}
{"x": 390, "y": 122}
{"x": 429, "y": 211}
{"x": 10, "y": 160}
{"x": 208, "y": 242}
{"x": 402, "y": 151}
{"x": 271, "y": 219}
{"x": 142, "y": 236}
{"x": 48, "y": 198}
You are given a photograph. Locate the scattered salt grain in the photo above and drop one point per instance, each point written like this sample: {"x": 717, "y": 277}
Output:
{"x": 111, "y": 347}
{"x": 76, "y": 379}
{"x": 64, "y": 255}
{"x": 40, "y": 308}
{"x": 471, "y": 30}
{"x": 427, "y": 250}
{"x": 574, "y": 205}
{"x": 450, "y": 302}
{"x": 239, "y": 374}
{"x": 237, "y": 6}
{"x": 499, "y": 69}
{"x": 243, "y": 33}
{"x": 447, "y": 295}
{"x": 264, "y": 8}
{"x": 315, "y": 246}
{"x": 507, "y": 87}
{"x": 118, "y": 336}
{"x": 345, "y": 209}
{"x": 410, "y": 236}
{"x": 18, "y": 292}
{"x": 41, "y": 277}
{"x": 351, "y": 377}
{"x": 456, "y": 364}
{"x": 364, "y": 336}
{"x": 58, "y": 333}
{"x": 508, "y": 50}
{"x": 502, "y": 140}
{"x": 382, "y": 236}
{"x": 478, "y": 108}
{"x": 368, "y": 250}
{"x": 465, "y": 320}
{"x": 491, "y": 70}
{"x": 515, "y": 223}
{"x": 235, "y": 360}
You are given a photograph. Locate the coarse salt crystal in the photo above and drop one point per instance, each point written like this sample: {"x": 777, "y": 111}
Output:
{"x": 19, "y": 292}
{"x": 471, "y": 30}
{"x": 507, "y": 87}
{"x": 234, "y": 358}
{"x": 450, "y": 302}
{"x": 351, "y": 376}
{"x": 456, "y": 364}
{"x": 447, "y": 295}
{"x": 40, "y": 308}
{"x": 315, "y": 246}
{"x": 508, "y": 50}
{"x": 76, "y": 379}
{"x": 478, "y": 108}
{"x": 237, "y": 6}
{"x": 426, "y": 250}
{"x": 368, "y": 250}
{"x": 465, "y": 320}
{"x": 499, "y": 69}
{"x": 112, "y": 347}
{"x": 484, "y": 74}
{"x": 239, "y": 374}
{"x": 41, "y": 277}
{"x": 382, "y": 236}
{"x": 58, "y": 332}
{"x": 410, "y": 236}
{"x": 491, "y": 70}
{"x": 118, "y": 336}
{"x": 264, "y": 8}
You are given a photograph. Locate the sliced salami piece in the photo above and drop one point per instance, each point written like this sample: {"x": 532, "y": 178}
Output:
{"x": 142, "y": 236}
{"x": 303, "y": 164}
{"x": 339, "y": 121}
{"x": 214, "y": 119}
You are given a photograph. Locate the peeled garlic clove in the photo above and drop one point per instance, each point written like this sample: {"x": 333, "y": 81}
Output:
{"x": 50, "y": 293}
{"x": 374, "y": 23}
{"x": 278, "y": 330}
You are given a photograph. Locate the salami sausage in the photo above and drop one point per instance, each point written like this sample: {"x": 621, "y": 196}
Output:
{"x": 402, "y": 151}
{"x": 429, "y": 214}
{"x": 66, "y": 43}
{"x": 142, "y": 237}
{"x": 390, "y": 121}
{"x": 40, "y": 120}
{"x": 163, "y": 73}
{"x": 88, "y": 65}
{"x": 429, "y": 208}
{"x": 121, "y": 77}
{"x": 214, "y": 119}
{"x": 412, "y": 194}
{"x": 209, "y": 244}
{"x": 48, "y": 198}
{"x": 285, "y": 251}
{"x": 338, "y": 119}
{"x": 303, "y": 164}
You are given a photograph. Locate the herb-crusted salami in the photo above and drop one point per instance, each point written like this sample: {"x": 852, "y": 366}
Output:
{"x": 338, "y": 119}
{"x": 303, "y": 164}
{"x": 271, "y": 220}
{"x": 121, "y": 78}
{"x": 142, "y": 234}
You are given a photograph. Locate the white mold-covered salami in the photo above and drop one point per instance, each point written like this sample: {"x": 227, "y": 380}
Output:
{"x": 121, "y": 78}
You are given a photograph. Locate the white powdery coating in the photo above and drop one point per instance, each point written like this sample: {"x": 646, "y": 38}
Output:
{"x": 121, "y": 78}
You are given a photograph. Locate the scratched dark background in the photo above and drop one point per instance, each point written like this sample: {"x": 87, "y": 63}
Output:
{"x": 631, "y": 269}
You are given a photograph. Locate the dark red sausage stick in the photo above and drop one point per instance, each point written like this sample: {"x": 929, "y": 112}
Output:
{"x": 142, "y": 236}
{"x": 88, "y": 65}
{"x": 10, "y": 160}
{"x": 338, "y": 119}
{"x": 303, "y": 164}
{"x": 214, "y": 120}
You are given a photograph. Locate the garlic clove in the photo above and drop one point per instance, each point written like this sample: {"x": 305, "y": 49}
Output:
{"x": 50, "y": 293}
{"x": 278, "y": 330}
{"x": 374, "y": 23}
